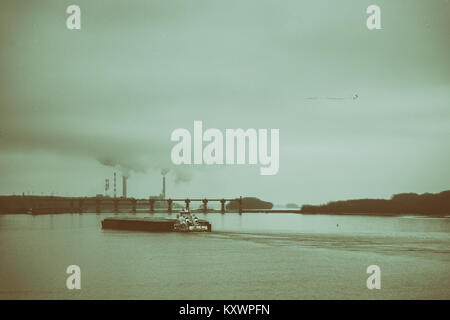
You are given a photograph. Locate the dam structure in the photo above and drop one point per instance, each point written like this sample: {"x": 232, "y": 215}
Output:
{"x": 98, "y": 204}
{"x": 101, "y": 204}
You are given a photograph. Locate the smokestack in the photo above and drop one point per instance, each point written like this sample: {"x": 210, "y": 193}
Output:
{"x": 124, "y": 186}
{"x": 115, "y": 185}
{"x": 106, "y": 187}
{"x": 164, "y": 188}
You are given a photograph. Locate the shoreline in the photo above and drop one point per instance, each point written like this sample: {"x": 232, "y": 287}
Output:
{"x": 428, "y": 205}
{"x": 387, "y": 215}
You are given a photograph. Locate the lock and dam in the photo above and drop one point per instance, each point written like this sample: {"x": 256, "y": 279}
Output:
{"x": 53, "y": 205}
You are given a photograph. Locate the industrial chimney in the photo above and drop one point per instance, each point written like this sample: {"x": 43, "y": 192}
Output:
{"x": 115, "y": 185}
{"x": 164, "y": 188}
{"x": 124, "y": 186}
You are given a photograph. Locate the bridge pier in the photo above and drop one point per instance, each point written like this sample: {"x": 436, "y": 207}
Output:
{"x": 187, "y": 204}
{"x": 151, "y": 203}
{"x": 116, "y": 205}
{"x": 169, "y": 205}
{"x": 240, "y": 204}
{"x": 98, "y": 204}
{"x": 133, "y": 205}
{"x": 205, "y": 206}
{"x": 222, "y": 206}
{"x": 80, "y": 206}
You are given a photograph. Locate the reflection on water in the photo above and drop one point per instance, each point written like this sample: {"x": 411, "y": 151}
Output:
{"x": 248, "y": 256}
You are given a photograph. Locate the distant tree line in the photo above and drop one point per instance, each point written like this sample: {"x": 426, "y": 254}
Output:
{"x": 403, "y": 203}
{"x": 249, "y": 203}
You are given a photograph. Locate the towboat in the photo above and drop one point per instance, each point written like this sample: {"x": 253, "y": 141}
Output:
{"x": 187, "y": 222}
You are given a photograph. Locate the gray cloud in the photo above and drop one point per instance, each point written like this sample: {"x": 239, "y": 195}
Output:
{"x": 115, "y": 90}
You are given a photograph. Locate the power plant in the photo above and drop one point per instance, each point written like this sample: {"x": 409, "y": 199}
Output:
{"x": 162, "y": 195}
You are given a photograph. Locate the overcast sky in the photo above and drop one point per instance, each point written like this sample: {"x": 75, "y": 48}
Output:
{"x": 78, "y": 105}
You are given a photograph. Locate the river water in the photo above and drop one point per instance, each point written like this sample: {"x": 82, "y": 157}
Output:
{"x": 248, "y": 256}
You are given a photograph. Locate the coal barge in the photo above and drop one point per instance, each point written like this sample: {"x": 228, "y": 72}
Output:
{"x": 185, "y": 222}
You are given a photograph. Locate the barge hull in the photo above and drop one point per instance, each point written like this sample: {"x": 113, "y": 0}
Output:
{"x": 144, "y": 224}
